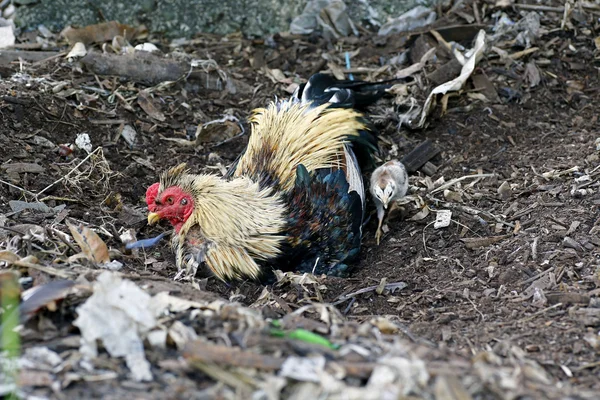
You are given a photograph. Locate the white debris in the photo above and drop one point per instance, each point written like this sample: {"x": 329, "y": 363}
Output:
{"x": 398, "y": 377}
{"x": 41, "y": 358}
{"x": 309, "y": 369}
{"x": 337, "y": 22}
{"x": 442, "y": 219}
{"x": 470, "y": 58}
{"x": 149, "y": 47}
{"x": 113, "y": 265}
{"x": 77, "y": 51}
{"x": 129, "y": 134}
{"x": 84, "y": 142}
{"x": 119, "y": 315}
{"x": 158, "y": 339}
{"x": 418, "y": 17}
{"x": 7, "y": 34}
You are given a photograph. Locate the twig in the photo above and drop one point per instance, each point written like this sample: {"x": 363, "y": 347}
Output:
{"x": 69, "y": 173}
{"x": 424, "y": 239}
{"x": 18, "y": 188}
{"x": 389, "y": 286}
{"x": 534, "y": 7}
{"x": 456, "y": 180}
{"x": 48, "y": 270}
{"x": 537, "y": 314}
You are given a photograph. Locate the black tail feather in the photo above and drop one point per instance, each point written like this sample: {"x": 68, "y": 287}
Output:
{"x": 323, "y": 88}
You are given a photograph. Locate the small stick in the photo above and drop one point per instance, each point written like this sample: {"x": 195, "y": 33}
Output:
{"x": 456, "y": 180}
{"x": 537, "y": 314}
{"x": 18, "y": 188}
{"x": 69, "y": 173}
{"x": 390, "y": 286}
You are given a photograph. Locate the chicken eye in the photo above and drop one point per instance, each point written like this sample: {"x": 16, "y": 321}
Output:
{"x": 169, "y": 200}
{"x": 183, "y": 202}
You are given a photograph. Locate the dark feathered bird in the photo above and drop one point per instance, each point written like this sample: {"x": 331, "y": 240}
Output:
{"x": 293, "y": 200}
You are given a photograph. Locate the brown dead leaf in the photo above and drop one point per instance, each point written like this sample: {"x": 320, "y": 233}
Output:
{"x": 217, "y": 131}
{"x": 9, "y": 256}
{"x": 99, "y": 33}
{"x": 149, "y": 106}
{"x": 90, "y": 243}
{"x": 276, "y": 75}
{"x": 336, "y": 70}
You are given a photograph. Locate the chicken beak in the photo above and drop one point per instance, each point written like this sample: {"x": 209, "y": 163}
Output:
{"x": 153, "y": 218}
{"x": 385, "y": 200}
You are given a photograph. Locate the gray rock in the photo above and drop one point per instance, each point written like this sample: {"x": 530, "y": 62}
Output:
{"x": 184, "y": 18}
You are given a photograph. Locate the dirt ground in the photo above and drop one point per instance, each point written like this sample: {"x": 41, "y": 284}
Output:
{"x": 517, "y": 272}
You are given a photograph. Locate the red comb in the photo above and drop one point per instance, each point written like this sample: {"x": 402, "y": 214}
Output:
{"x": 151, "y": 194}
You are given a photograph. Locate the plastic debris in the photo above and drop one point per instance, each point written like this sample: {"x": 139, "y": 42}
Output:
{"x": 442, "y": 219}
{"x": 418, "y": 17}
{"x": 307, "y": 369}
{"x": 119, "y": 315}
{"x": 145, "y": 243}
{"x": 7, "y": 34}
{"x": 149, "y": 47}
{"x": 84, "y": 142}
{"x": 525, "y": 32}
{"x": 329, "y": 15}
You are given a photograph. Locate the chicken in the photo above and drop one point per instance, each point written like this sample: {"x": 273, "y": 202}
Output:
{"x": 389, "y": 183}
{"x": 293, "y": 200}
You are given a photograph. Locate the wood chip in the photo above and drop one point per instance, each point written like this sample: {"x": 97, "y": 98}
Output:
{"x": 474, "y": 243}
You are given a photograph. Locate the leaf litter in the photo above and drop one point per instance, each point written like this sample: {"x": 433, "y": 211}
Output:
{"x": 499, "y": 302}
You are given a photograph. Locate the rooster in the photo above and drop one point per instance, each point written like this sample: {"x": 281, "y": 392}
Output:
{"x": 293, "y": 200}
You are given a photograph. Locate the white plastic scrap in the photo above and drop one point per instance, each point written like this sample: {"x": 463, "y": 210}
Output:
{"x": 7, "y": 35}
{"x": 84, "y": 142}
{"x": 442, "y": 219}
{"x": 149, "y": 47}
{"x": 336, "y": 18}
{"x": 418, "y": 17}
{"x": 118, "y": 314}
{"x": 306, "y": 22}
{"x": 525, "y": 32}
{"x": 308, "y": 369}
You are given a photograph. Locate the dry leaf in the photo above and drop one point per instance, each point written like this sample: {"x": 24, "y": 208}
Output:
{"x": 9, "y": 256}
{"x": 99, "y": 33}
{"x": 90, "y": 243}
{"x": 149, "y": 106}
{"x": 217, "y": 131}
{"x": 421, "y": 214}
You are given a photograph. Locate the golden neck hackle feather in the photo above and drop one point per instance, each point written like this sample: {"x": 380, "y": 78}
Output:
{"x": 239, "y": 220}
{"x": 288, "y": 134}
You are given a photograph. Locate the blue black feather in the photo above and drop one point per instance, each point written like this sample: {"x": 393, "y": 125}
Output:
{"x": 319, "y": 202}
